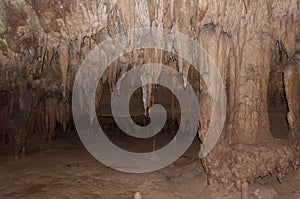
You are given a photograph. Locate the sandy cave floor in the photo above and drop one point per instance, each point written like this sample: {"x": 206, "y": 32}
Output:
{"x": 64, "y": 169}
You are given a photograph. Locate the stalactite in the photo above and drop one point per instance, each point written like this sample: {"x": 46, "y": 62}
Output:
{"x": 110, "y": 78}
{"x": 6, "y": 111}
{"x": 246, "y": 4}
{"x": 142, "y": 20}
{"x": 180, "y": 64}
{"x": 99, "y": 93}
{"x": 64, "y": 63}
{"x": 185, "y": 74}
{"x": 127, "y": 8}
{"x": 44, "y": 122}
{"x": 146, "y": 97}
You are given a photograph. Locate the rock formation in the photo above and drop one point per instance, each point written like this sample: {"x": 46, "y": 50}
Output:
{"x": 255, "y": 44}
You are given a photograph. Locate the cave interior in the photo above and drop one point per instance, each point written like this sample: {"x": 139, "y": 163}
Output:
{"x": 254, "y": 45}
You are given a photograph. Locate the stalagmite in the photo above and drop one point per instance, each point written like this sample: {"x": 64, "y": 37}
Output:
{"x": 137, "y": 195}
{"x": 205, "y": 111}
{"x": 292, "y": 88}
{"x": 245, "y": 190}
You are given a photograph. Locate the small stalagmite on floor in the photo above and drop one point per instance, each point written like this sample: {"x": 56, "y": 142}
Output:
{"x": 137, "y": 195}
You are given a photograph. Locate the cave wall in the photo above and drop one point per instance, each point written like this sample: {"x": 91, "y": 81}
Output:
{"x": 292, "y": 87}
{"x": 44, "y": 42}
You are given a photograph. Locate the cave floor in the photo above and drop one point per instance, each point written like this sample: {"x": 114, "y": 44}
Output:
{"x": 64, "y": 169}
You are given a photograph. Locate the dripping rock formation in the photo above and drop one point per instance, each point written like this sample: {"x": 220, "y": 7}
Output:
{"x": 255, "y": 45}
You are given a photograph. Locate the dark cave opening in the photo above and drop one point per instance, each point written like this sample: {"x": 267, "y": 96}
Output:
{"x": 162, "y": 96}
{"x": 278, "y": 122}
{"x": 277, "y": 103}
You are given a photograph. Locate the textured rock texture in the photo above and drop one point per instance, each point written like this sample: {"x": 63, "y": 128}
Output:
{"x": 44, "y": 42}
